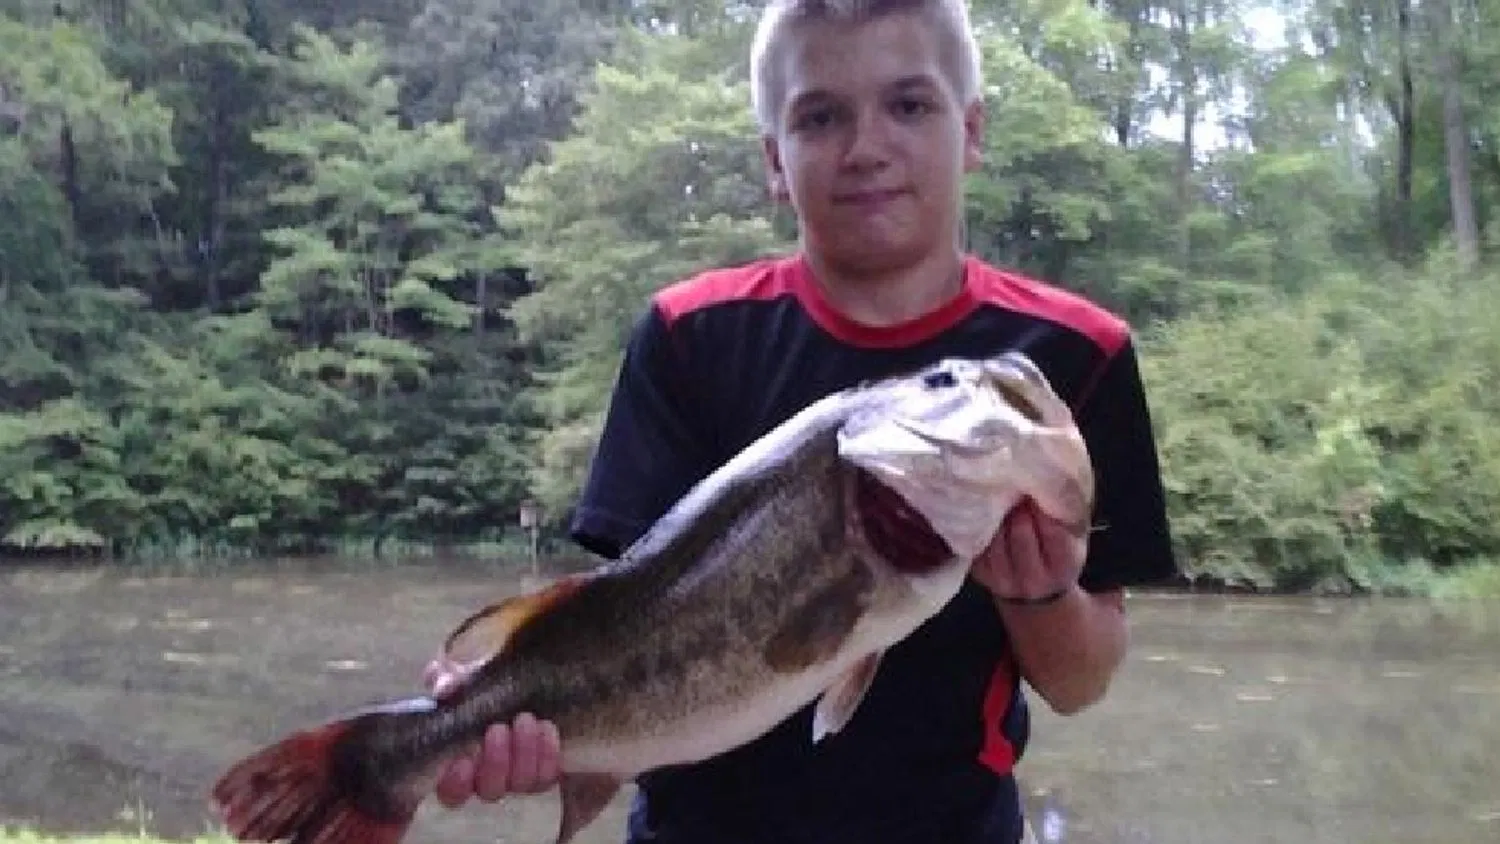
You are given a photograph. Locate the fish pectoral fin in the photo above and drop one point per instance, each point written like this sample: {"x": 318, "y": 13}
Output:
{"x": 486, "y": 632}
{"x": 839, "y": 701}
{"x": 584, "y": 796}
{"x": 814, "y": 630}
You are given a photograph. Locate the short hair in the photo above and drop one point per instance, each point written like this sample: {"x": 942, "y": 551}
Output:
{"x": 949, "y": 19}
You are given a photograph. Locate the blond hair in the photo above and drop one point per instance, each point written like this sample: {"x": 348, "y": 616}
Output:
{"x": 949, "y": 20}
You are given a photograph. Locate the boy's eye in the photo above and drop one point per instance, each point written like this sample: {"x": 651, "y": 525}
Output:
{"x": 814, "y": 118}
{"x": 912, "y": 106}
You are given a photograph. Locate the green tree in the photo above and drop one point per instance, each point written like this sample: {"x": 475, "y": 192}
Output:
{"x": 662, "y": 178}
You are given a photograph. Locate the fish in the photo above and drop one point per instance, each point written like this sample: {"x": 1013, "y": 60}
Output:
{"x": 776, "y": 582}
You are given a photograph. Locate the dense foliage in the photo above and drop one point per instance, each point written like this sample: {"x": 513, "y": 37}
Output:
{"x": 281, "y": 275}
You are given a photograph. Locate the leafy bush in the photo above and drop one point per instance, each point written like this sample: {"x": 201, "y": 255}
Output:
{"x": 1308, "y": 441}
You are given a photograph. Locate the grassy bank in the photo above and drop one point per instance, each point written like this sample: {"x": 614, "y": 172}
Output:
{"x": 189, "y": 558}
{"x": 22, "y": 836}
{"x": 1475, "y": 580}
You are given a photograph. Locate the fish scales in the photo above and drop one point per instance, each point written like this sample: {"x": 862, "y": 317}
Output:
{"x": 758, "y": 593}
{"x": 684, "y": 636}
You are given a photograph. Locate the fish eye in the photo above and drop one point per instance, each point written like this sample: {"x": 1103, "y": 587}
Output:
{"x": 938, "y": 380}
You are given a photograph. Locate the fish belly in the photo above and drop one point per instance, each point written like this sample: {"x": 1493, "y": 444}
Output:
{"x": 726, "y": 722}
{"x": 702, "y": 733}
{"x": 760, "y": 603}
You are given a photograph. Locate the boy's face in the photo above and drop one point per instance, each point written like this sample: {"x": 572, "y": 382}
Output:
{"x": 872, "y": 142}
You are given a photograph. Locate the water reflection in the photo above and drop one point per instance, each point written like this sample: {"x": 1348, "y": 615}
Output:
{"x": 1286, "y": 720}
{"x": 1237, "y": 720}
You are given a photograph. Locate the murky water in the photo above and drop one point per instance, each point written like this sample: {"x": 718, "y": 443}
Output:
{"x": 1279, "y": 720}
{"x": 1237, "y": 721}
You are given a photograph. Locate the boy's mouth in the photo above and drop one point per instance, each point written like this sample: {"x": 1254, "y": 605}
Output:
{"x": 869, "y": 197}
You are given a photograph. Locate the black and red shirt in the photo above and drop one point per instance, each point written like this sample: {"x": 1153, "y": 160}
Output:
{"x": 718, "y": 360}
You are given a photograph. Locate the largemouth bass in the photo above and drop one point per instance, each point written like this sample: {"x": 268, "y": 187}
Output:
{"x": 777, "y": 581}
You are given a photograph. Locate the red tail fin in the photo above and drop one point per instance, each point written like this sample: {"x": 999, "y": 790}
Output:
{"x": 291, "y": 791}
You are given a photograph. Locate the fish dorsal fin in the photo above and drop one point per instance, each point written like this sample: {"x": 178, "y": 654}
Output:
{"x": 486, "y": 633}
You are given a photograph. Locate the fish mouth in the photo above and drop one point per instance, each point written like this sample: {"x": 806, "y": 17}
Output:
{"x": 933, "y": 442}
{"x": 909, "y": 441}
{"x": 897, "y": 531}
{"x": 969, "y": 460}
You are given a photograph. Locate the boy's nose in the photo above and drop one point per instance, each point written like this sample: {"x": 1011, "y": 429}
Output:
{"x": 867, "y": 143}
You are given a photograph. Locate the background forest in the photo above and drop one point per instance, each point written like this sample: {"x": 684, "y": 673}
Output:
{"x": 300, "y": 275}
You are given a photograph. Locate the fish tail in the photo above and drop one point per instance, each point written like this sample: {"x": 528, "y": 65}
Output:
{"x": 315, "y": 787}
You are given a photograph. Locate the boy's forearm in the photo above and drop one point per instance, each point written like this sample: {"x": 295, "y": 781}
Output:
{"x": 1069, "y": 650}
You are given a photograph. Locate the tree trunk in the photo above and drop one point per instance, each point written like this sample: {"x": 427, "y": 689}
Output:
{"x": 1455, "y": 135}
{"x": 1402, "y": 107}
{"x": 1187, "y": 80}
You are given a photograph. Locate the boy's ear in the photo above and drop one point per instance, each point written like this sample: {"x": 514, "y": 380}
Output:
{"x": 775, "y": 175}
{"x": 974, "y": 116}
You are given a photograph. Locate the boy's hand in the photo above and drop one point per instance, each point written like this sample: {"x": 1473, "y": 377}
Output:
{"x": 523, "y": 757}
{"x": 1034, "y": 558}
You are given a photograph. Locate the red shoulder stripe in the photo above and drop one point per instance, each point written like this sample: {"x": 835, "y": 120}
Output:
{"x": 1029, "y": 296}
{"x": 772, "y": 278}
{"x": 757, "y": 281}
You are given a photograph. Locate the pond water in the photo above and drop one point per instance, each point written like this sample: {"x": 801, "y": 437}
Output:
{"x": 1237, "y": 720}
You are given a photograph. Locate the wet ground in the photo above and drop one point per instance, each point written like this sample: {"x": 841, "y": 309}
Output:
{"x": 1237, "y": 721}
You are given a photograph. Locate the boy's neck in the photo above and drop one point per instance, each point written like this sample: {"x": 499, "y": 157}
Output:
{"x": 892, "y": 297}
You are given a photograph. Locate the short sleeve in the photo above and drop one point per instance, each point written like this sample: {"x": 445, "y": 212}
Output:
{"x": 651, "y": 448}
{"x": 1132, "y": 543}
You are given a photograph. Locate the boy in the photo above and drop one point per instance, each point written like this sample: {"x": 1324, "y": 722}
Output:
{"x": 871, "y": 115}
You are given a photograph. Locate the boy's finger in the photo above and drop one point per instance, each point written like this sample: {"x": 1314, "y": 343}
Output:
{"x": 549, "y": 765}
{"x": 456, "y": 785}
{"x": 1028, "y": 569}
{"x": 492, "y": 774}
{"x": 1065, "y": 546}
{"x": 525, "y": 753}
